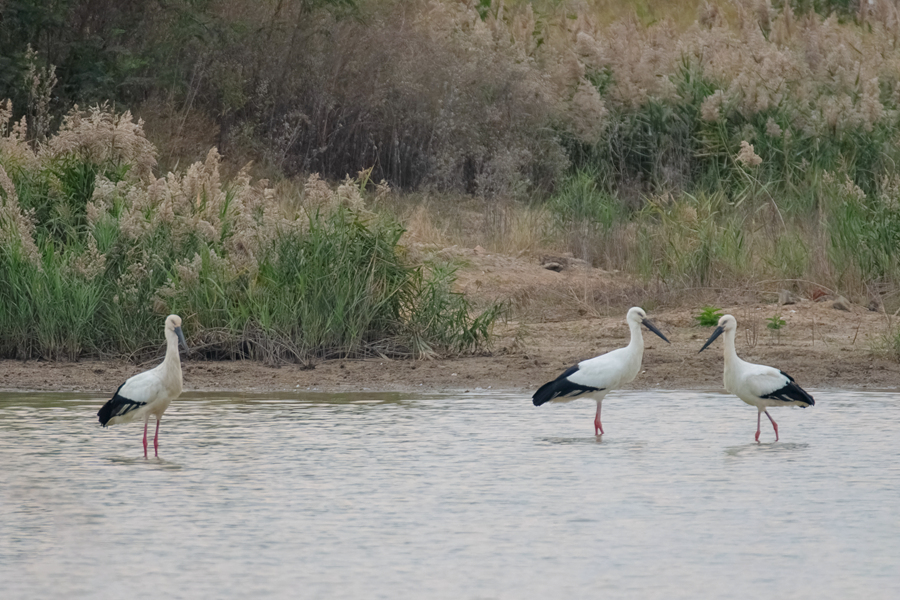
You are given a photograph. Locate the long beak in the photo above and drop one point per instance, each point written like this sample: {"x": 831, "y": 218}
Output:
{"x": 649, "y": 325}
{"x": 714, "y": 335}
{"x": 181, "y": 338}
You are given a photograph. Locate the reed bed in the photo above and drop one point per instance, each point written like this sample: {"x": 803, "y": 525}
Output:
{"x": 95, "y": 250}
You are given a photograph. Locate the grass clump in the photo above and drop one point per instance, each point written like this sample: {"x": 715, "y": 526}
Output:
{"x": 94, "y": 250}
{"x": 581, "y": 198}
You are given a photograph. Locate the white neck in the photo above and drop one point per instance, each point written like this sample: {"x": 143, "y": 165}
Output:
{"x": 171, "y": 366}
{"x": 637, "y": 337}
{"x": 731, "y": 357}
{"x": 172, "y": 360}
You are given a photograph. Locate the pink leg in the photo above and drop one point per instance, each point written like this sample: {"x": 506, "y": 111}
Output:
{"x": 598, "y": 426}
{"x": 774, "y": 424}
{"x": 145, "y": 438}
{"x": 155, "y": 437}
{"x": 758, "y": 415}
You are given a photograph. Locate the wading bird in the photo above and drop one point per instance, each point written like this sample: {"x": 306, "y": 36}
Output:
{"x": 757, "y": 385}
{"x": 150, "y": 392}
{"x": 596, "y": 377}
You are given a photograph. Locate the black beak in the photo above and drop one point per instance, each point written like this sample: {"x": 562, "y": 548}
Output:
{"x": 714, "y": 335}
{"x": 649, "y": 325}
{"x": 181, "y": 338}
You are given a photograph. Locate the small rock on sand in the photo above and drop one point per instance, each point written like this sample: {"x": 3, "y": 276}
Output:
{"x": 787, "y": 297}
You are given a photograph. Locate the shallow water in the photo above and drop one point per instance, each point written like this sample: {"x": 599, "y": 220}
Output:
{"x": 451, "y": 496}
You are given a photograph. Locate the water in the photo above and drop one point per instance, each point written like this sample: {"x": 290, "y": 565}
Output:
{"x": 451, "y": 496}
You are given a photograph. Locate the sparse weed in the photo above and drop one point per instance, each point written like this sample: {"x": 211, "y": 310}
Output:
{"x": 709, "y": 316}
{"x": 775, "y": 322}
{"x": 893, "y": 344}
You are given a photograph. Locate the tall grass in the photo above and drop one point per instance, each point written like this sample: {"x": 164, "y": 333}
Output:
{"x": 849, "y": 242}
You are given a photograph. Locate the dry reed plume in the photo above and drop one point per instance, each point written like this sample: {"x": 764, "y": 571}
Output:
{"x": 254, "y": 274}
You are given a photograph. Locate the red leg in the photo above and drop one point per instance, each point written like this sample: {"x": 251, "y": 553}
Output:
{"x": 155, "y": 437}
{"x": 598, "y": 426}
{"x": 145, "y": 437}
{"x": 774, "y": 424}
{"x": 758, "y": 415}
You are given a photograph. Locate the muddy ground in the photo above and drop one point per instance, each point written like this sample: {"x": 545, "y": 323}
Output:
{"x": 556, "y": 318}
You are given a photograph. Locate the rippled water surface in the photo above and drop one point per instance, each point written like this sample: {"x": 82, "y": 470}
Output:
{"x": 451, "y": 496}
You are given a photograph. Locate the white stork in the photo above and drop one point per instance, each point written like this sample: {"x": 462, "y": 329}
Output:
{"x": 757, "y": 385}
{"x": 150, "y": 392}
{"x": 596, "y": 377}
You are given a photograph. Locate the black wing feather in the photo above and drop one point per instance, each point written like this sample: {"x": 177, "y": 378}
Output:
{"x": 116, "y": 407}
{"x": 791, "y": 392}
{"x": 561, "y": 387}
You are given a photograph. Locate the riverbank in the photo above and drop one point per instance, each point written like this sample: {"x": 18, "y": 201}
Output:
{"x": 555, "y": 321}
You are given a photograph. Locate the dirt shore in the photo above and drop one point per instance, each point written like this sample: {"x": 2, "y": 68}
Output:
{"x": 557, "y": 322}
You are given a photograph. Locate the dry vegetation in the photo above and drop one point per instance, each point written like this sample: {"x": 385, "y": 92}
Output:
{"x": 755, "y": 148}
{"x": 693, "y": 145}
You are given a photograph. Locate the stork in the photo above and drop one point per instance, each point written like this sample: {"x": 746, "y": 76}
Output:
{"x": 150, "y": 392}
{"x": 596, "y": 377}
{"x": 757, "y": 385}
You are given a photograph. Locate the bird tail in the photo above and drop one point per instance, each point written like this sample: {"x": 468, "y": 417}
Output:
{"x": 804, "y": 397}
{"x": 561, "y": 387}
{"x": 546, "y": 393}
{"x": 794, "y": 392}
{"x": 116, "y": 407}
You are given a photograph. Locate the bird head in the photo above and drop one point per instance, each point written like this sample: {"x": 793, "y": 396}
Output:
{"x": 637, "y": 315}
{"x": 173, "y": 324}
{"x": 726, "y": 323}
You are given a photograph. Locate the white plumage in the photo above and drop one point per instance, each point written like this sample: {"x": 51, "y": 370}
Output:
{"x": 757, "y": 385}
{"x": 596, "y": 377}
{"x": 150, "y": 392}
